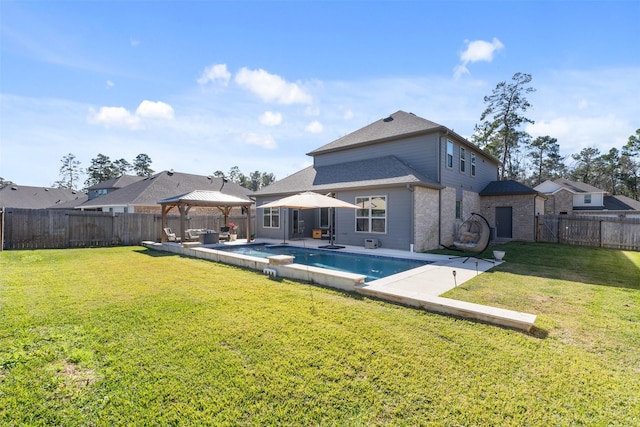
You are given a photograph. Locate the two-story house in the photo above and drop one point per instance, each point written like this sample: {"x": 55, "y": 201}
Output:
{"x": 575, "y": 198}
{"x": 413, "y": 179}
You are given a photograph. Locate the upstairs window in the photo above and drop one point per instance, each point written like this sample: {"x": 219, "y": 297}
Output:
{"x": 449, "y": 154}
{"x": 371, "y": 215}
{"x": 587, "y": 199}
{"x": 271, "y": 218}
{"x": 473, "y": 164}
{"x": 463, "y": 160}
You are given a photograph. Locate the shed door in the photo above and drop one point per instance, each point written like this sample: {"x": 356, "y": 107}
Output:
{"x": 504, "y": 222}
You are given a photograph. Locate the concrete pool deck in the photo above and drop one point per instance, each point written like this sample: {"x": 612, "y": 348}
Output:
{"x": 420, "y": 287}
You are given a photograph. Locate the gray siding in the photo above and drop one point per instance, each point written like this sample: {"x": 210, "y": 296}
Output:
{"x": 418, "y": 152}
{"x": 399, "y": 219}
{"x": 486, "y": 169}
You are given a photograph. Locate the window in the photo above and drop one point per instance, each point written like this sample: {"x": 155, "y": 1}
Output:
{"x": 271, "y": 218}
{"x": 324, "y": 217}
{"x": 463, "y": 160}
{"x": 371, "y": 215}
{"x": 587, "y": 199}
{"x": 458, "y": 209}
{"x": 473, "y": 164}
{"x": 449, "y": 154}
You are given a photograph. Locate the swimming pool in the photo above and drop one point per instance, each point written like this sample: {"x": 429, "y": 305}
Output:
{"x": 373, "y": 266}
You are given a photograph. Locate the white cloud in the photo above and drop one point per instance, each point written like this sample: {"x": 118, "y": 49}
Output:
{"x": 477, "y": 50}
{"x": 271, "y": 87}
{"x": 264, "y": 141}
{"x": 216, "y": 72}
{"x": 269, "y": 118}
{"x": 123, "y": 118}
{"x": 314, "y": 127}
{"x": 110, "y": 84}
{"x": 115, "y": 117}
{"x": 348, "y": 115}
{"x": 575, "y": 133}
{"x": 134, "y": 42}
{"x": 155, "y": 110}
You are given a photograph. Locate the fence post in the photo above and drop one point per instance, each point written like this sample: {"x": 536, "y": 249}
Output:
{"x": 1, "y": 229}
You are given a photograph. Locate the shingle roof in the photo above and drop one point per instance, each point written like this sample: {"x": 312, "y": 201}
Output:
{"x": 578, "y": 187}
{"x": 118, "y": 182}
{"x": 613, "y": 203}
{"x": 621, "y": 203}
{"x": 164, "y": 185}
{"x": 382, "y": 171}
{"x": 398, "y": 125}
{"x": 26, "y": 197}
{"x": 506, "y": 188}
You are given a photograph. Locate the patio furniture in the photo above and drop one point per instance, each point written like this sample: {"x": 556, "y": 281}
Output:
{"x": 224, "y": 233}
{"x": 210, "y": 237}
{"x": 171, "y": 236}
{"x": 194, "y": 233}
{"x": 473, "y": 237}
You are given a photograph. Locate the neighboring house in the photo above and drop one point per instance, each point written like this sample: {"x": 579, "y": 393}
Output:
{"x": 26, "y": 197}
{"x": 577, "y": 198}
{"x": 142, "y": 196}
{"x": 415, "y": 180}
{"x": 111, "y": 185}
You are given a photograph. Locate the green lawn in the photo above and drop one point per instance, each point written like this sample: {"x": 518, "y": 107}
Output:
{"x": 129, "y": 336}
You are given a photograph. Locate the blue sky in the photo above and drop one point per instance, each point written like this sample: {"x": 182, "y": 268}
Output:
{"x": 201, "y": 86}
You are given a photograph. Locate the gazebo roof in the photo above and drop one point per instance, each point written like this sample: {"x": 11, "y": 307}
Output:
{"x": 206, "y": 198}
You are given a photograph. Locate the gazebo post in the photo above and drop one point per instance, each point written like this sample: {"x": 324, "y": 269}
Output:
{"x": 165, "y": 210}
{"x": 248, "y": 211}
{"x": 182, "y": 209}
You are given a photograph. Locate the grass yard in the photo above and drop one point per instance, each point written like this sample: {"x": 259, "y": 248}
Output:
{"x": 129, "y": 336}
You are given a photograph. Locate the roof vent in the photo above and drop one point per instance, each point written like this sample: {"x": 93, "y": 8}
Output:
{"x": 388, "y": 119}
{"x": 14, "y": 188}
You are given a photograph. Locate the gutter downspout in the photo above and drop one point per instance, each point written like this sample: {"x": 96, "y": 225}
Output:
{"x": 439, "y": 180}
{"x": 413, "y": 218}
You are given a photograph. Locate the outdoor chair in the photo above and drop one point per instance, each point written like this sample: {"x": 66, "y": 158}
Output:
{"x": 473, "y": 237}
{"x": 171, "y": 236}
{"x": 225, "y": 233}
{"x": 194, "y": 233}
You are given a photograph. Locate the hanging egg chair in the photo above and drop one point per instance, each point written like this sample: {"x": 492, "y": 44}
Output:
{"x": 473, "y": 236}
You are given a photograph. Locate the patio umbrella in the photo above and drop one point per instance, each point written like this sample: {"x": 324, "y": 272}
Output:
{"x": 311, "y": 200}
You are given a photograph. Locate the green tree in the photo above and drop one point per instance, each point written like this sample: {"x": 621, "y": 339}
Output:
{"x": 630, "y": 166}
{"x": 142, "y": 165}
{"x": 5, "y": 182}
{"x": 255, "y": 181}
{"x": 122, "y": 166}
{"x": 586, "y": 166}
{"x": 546, "y": 161}
{"x": 609, "y": 166}
{"x": 69, "y": 172}
{"x": 101, "y": 169}
{"x": 499, "y": 132}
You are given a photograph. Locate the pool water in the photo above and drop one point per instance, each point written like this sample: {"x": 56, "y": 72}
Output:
{"x": 373, "y": 266}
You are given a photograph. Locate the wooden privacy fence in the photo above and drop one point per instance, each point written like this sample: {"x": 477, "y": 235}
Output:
{"x": 52, "y": 228}
{"x": 605, "y": 232}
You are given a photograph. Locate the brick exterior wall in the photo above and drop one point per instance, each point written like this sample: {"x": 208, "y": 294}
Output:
{"x": 562, "y": 201}
{"x": 470, "y": 204}
{"x": 524, "y": 210}
{"x": 425, "y": 220}
{"x": 448, "y": 223}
